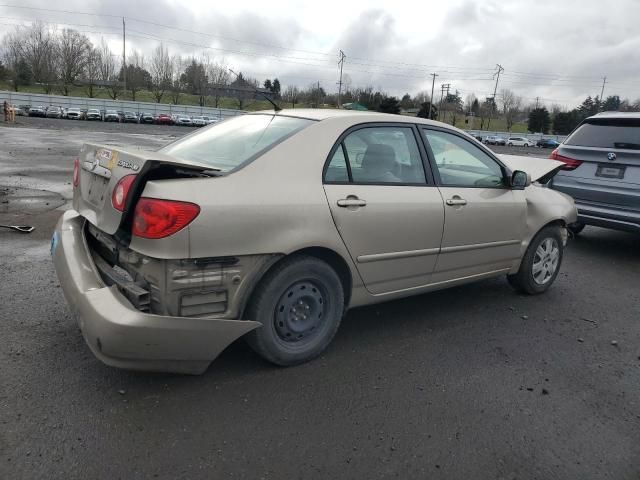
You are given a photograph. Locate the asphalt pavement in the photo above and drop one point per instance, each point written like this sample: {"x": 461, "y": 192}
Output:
{"x": 474, "y": 382}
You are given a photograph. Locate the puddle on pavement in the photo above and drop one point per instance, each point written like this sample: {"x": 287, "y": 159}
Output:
{"x": 27, "y": 200}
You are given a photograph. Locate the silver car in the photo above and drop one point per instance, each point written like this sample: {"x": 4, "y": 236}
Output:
{"x": 273, "y": 225}
{"x": 602, "y": 171}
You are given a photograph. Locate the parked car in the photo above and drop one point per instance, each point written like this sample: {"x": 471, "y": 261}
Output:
{"x": 199, "y": 121}
{"x": 19, "y": 111}
{"x": 602, "y": 171}
{"x": 165, "y": 263}
{"x": 94, "y": 114}
{"x": 112, "y": 116}
{"x": 183, "y": 120}
{"x": 164, "y": 119}
{"x": 74, "y": 114}
{"x": 54, "y": 112}
{"x": 38, "y": 111}
{"x": 131, "y": 117}
{"x": 147, "y": 118}
{"x": 519, "y": 142}
{"x": 494, "y": 140}
{"x": 547, "y": 143}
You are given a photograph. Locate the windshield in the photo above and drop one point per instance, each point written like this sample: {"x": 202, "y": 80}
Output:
{"x": 623, "y": 133}
{"x": 230, "y": 143}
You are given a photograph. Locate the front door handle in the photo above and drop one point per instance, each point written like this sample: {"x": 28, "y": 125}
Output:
{"x": 351, "y": 201}
{"x": 456, "y": 200}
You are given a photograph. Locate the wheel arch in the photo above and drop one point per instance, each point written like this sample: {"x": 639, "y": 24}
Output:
{"x": 331, "y": 257}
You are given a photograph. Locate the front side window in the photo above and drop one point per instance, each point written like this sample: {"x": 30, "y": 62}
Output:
{"x": 378, "y": 155}
{"x": 460, "y": 163}
{"x": 229, "y": 144}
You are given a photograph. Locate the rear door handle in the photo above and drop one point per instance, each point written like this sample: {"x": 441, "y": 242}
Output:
{"x": 351, "y": 201}
{"x": 456, "y": 201}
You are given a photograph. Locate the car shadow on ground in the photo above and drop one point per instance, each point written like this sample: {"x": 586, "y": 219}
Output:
{"x": 607, "y": 244}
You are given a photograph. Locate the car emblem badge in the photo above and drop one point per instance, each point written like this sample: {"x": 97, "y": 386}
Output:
{"x": 611, "y": 156}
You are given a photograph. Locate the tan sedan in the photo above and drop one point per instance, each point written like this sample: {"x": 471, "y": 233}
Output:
{"x": 272, "y": 225}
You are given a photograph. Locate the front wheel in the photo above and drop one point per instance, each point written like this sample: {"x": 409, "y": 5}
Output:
{"x": 300, "y": 303}
{"x": 541, "y": 262}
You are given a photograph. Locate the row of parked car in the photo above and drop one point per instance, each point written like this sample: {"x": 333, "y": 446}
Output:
{"x": 94, "y": 114}
{"x": 517, "y": 141}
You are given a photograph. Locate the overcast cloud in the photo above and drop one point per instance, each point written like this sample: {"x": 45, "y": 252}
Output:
{"x": 558, "y": 51}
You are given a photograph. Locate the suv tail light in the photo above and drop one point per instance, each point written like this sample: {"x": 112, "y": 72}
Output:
{"x": 76, "y": 172}
{"x": 119, "y": 195}
{"x": 570, "y": 163}
{"x": 155, "y": 218}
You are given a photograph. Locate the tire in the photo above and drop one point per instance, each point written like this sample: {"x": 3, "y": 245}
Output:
{"x": 576, "y": 228}
{"x": 300, "y": 303}
{"x": 541, "y": 262}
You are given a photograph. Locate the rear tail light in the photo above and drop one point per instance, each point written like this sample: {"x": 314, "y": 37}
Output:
{"x": 154, "y": 218}
{"x": 570, "y": 163}
{"x": 76, "y": 172}
{"x": 119, "y": 195}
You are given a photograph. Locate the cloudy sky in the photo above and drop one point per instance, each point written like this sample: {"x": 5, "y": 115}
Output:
{"x": 557, "y": 50}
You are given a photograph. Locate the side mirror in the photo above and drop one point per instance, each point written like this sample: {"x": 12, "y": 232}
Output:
{"x": 520, "y": 180}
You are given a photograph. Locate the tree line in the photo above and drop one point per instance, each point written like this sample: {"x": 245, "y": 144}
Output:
{"x": 58, "y": 60}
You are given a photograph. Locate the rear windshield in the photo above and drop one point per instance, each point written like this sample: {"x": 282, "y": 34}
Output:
{"x": 230, "y": 143}
{"x": 607, "y": 133}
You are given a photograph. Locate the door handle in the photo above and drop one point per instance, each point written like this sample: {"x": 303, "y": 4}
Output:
{"x": 351, "y": 201}
{"x": 456, "y": 201}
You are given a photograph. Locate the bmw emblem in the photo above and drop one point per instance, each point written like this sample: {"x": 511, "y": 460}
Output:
{"x": 611, "y": 156}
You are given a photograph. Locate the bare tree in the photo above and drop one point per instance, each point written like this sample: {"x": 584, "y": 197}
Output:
{"x": 137, "y": 75}
{"x": 219, "y": 78}
{"x": 37, "y": 49}
{"x": 108, "y": 76}
{"x": 176, "y": 86}
{"x": 91, "y": 73}
{"x": 12, "y": 56}
{"x": 291, "y": 95}
{"x": 73, "y": 51}
{"x": 162, "y": 67}
{"x": 511, "y": 106}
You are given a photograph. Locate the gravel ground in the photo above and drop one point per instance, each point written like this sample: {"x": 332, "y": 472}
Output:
{"x": 472, "y": 382}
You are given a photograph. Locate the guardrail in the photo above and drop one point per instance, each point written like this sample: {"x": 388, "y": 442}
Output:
{"x": 506, "y": 135}
{"x": 83, "y": 103}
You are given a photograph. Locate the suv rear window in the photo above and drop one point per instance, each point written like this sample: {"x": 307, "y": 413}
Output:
{"x": 229, "y": 144}
{"x": 623, "y": 133}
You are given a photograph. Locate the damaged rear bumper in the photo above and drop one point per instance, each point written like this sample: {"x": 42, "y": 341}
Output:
{"x": 122, "y": 336}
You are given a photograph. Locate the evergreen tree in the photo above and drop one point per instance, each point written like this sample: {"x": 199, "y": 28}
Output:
{"x": 389, "y": 105}
{"x": 539, "y": 120}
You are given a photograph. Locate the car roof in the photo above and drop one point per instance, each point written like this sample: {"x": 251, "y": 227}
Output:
{"x": 616, "y": 115}
{"x": 357, "y": 116}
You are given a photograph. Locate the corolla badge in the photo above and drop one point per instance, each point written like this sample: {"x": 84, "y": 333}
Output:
{"x": 611, "y": 156}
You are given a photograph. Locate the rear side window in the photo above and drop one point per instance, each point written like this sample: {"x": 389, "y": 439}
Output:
{"x": 379, "y": 156}
{"x": 229, "y": 144}
{"x": 623, "y": 133}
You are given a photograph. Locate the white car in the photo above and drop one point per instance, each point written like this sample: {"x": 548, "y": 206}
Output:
{"x": 184, "y": 120}
{"x": 519, "y": 142}
{"x": 199, "y": 121}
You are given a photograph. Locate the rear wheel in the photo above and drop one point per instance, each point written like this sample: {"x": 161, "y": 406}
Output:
{"x": 300, "y": 303}
{"x": 541, "y": 262}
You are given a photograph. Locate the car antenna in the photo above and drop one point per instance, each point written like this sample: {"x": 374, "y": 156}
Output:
{"x": 265, "y": 96}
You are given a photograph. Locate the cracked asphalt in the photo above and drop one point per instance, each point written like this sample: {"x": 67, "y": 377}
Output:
{"x": 473, "y": 382}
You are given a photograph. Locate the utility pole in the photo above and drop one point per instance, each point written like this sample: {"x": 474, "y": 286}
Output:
{"x": 433, "y": 82}
{"x": 341, "y": 63}
{"x": 124, "y": 60}
{"x": 495, "y": 90}
{"x": 443, "y": 87}
{"x": 604, "y": 81}
{"x": 318, "y": 101}
{"x": 537, "y": 99}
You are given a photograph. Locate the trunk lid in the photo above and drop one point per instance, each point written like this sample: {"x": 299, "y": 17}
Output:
{"x": 101, "y": 168}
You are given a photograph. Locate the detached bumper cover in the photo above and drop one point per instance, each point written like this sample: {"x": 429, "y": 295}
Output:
{"x": 117, "y": 333}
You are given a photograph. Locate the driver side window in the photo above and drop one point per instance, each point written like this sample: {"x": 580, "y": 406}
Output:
{"x": 462, "y": 164}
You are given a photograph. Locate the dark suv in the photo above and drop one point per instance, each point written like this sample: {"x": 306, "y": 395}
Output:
{"x": 602, "y": 171}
